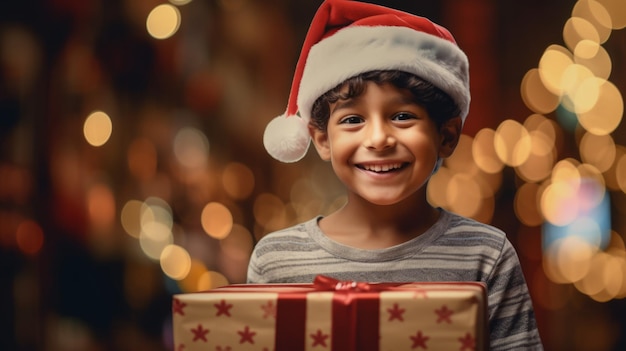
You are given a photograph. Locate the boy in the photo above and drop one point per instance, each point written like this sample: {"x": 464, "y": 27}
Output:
{"x": 383, "y": 95}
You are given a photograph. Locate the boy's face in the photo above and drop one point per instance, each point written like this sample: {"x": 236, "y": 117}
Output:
{"x": 382, "y": 145}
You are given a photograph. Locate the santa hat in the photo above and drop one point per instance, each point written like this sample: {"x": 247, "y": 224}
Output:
{"x": 347, "y": 38}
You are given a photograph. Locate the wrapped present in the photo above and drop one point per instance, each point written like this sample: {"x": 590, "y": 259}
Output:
{"x": 332, "y": 315}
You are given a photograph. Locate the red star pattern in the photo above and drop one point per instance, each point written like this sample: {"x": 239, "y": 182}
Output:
{"x": 180, "y": 347}
{"x": 223, "y": 308}
{"x": 269, "y": 309}
{"x": 468, "y": 342}
{"x": 199, "y": 333}
{"x": 319, "y": 338}
{"x": 178, "y": 306}
{"x": 396, "y": 313}
{"x": 226, "y": 348}
{"x": 419, "y": 340}
{"x": 444, "y": 314}
{"x": 246, "y": 335}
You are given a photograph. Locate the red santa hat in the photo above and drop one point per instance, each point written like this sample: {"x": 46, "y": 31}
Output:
{"x": 347, "y": 38}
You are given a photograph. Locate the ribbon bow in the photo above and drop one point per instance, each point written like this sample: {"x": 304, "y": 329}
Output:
{"x": 325, "y": 283}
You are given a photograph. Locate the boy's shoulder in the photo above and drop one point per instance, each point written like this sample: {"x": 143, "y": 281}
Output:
{"x": 466, "y": 228}
{"x": 295, "y": 233}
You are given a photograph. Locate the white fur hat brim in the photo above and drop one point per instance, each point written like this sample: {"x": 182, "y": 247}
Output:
{"x": 359, "y": 49}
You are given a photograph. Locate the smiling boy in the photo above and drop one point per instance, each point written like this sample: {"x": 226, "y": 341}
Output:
{"x": 383, "y": 96}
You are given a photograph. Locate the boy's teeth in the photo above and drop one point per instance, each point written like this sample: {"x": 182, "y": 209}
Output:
{"x": 381, "y": 168}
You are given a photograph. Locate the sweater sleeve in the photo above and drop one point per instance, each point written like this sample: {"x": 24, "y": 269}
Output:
{"x": 512, "y": 321}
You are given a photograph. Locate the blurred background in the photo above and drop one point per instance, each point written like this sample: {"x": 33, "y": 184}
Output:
{"x": 132, "y": 165}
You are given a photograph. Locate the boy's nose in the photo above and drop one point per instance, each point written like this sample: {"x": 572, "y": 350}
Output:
{"x": 379, "y": 137}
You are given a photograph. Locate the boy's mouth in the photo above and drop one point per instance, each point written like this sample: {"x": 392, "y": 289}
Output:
{"x": 381, "y": 168}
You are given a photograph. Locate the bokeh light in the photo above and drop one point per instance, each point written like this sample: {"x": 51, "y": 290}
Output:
{"x": 211, "y": 280}
{"x": 484, "y": 152}
{"x": 163, "y": 21}
{"x": 535, "y": 94}
{"x": 191, "y": 148}
{"x": 577, "y": 29}
{"x": 101, "y": 206}
{"x": 552, "y": 66}
{"x": 29, "y": 237}
{"x": 597, "y": 15}
{"x": 191, "y": 282}
{"x": 607, "y": 113}
{"x": 238, "y": 180}
{"x": 175, "y": 262}
{"x": 97, "y": 128}
{"x": 512, "y": 143}
{"x": 217, "y": 220}
{"x": 130, "y": 217}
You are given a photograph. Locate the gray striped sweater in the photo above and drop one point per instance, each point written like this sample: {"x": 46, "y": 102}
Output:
{"x": 455, "y": 248}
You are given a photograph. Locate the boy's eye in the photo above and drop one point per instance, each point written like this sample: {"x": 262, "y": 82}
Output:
{"x": 351, "y": 120}
{"x": 403, "y": 116}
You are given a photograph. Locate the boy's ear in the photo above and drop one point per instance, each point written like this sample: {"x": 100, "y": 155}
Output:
{"x": 450, "y": 133}
{"x": 320, "y": 141}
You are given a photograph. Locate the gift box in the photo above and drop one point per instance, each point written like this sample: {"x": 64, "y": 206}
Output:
{"x": 332, "y": 315}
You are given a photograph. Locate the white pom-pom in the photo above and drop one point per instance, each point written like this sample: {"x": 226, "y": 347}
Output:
{"x": 287, "y": 138}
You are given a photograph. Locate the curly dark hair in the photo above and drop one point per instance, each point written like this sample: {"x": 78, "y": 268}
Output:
{"x": 438, "y": 104}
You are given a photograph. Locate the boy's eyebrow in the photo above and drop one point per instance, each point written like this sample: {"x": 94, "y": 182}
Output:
{"x": 340, "y": 104}
{"x": 348, "y": 103}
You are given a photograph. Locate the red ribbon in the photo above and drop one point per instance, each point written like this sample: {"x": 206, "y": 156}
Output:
{"x": 355, "y": 315}
{"x": 356, "y": 311}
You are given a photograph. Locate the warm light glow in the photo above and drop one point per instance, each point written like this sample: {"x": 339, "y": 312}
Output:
{"x": 180, "y": 2}
{"x": 596, "y": 14}
{"x": 130, "y": 217}
{"x": 217, "y": 220}
{"x": 484, "y": 152}
{"x": 620, "y": 172}
{"x": 29, "y": 237}
{"x": 617, "y": 10}
{"x": 101, "y": 206}
{"x": 438, "y": 188}
{"x": 593, "y": 282}
{"x": 594, "y": 57}
{"x": 269, "y": 209}
{"x": 607, "y": 113}
{"x": 540, "y": 161}
{"x": 577, "y": 29}
{"x": 97, "y": 128}
{"x": 238, "y": 180}
{"x": 610, "y": 175}
{"x": 464, "y": 196}
{"x": 163, "y": 21}
{"x": 578, "y": 80}
{"x": 598, "y": 150}
{"x": 156, "y": 227}
{"x": 574, "y": 258}
{"x": 462, "y": 160}
{"x": 558, "y": 202}
{"x": 191, "y": 148}
{"x": 535, "y": 94}
{"x": 512, "y": 143}
{"x": 552, "y": 65}
{"x": 175, "y": 262}
{"x": 154, "y": 237}
{"x": 526, "y": 205}
{"x": 211, "y": 280}
{"x": 191, "y": 282}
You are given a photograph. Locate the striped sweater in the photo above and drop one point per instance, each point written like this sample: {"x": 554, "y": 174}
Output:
{"x": 455, "y": 248}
